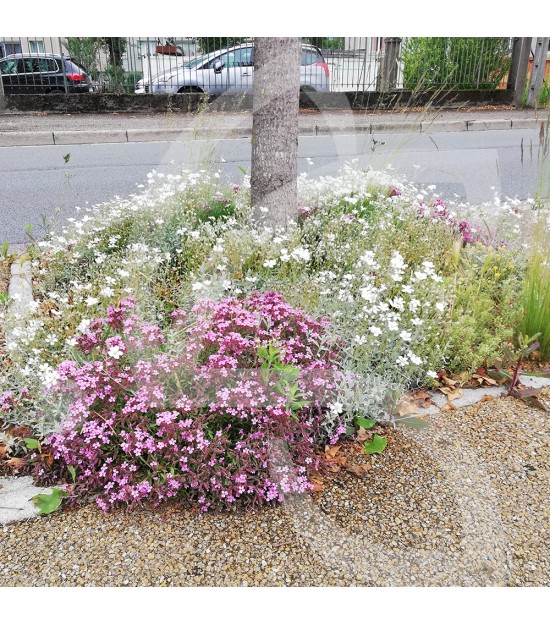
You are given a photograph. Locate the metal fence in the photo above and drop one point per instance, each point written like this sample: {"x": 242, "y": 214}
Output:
{"x": 214, "y": 64}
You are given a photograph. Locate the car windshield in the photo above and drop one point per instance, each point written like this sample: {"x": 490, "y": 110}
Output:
{"x": 197, "y": 61}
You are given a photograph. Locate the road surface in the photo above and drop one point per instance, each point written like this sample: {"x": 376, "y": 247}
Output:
{"x": 35, "y": 181}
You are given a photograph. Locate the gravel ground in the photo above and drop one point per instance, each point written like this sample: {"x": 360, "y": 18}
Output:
{"x": 464, "y": 502}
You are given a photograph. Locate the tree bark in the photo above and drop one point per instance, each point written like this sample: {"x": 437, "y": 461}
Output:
{"x": 276, "y": 99}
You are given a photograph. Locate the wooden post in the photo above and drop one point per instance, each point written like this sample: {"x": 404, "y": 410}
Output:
{"x": 537, "y": 75}
{"x": 517, "y": 77}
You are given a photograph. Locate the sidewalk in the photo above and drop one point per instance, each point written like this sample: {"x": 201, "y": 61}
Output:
{"x": 17, "y": 129}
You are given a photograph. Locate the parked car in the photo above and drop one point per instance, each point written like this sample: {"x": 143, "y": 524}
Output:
{"x": 43, "y": 73}
{"x": 231, "y": 70}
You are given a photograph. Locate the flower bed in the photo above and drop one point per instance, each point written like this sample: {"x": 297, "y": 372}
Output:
{"x": 145, "y": 305}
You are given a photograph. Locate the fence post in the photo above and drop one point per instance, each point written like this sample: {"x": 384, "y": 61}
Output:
{"x": 3, "y": 101}
{"x": 537, "y": 75}
{"x": 517, "y": 77}
{"x": 388, "y": 72}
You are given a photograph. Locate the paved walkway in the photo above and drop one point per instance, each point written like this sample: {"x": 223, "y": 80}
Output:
{"x": 66, "y": 129}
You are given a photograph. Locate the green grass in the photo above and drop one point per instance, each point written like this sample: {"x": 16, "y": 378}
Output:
{"x": 536, "y": 303}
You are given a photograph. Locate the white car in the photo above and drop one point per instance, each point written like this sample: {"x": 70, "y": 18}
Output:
{"x": 231, "y": 70}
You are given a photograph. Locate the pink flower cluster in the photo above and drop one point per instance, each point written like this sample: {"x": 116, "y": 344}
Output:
{"x": 211, "y": 425}
{"x": 438, "y": 210}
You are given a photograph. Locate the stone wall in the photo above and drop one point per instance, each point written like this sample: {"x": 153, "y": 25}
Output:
{"x": 109, "y": 103}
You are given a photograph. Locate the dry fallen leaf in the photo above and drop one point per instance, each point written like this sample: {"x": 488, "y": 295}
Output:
{"x": 452, "y": 393}
{"x": 487, "y": 398}
{"x": 406, "y": 407}
{"x": 331, "y": 451}
{"x": 448, "y": 406}
{"x": 363, "y": 435}
{"x": 317, "y": 481}
{"x": 358, "y": 469}
{"x": 15, "y": 463}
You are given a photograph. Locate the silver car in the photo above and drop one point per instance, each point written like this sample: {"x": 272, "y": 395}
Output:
{"x": 231, "y": 70}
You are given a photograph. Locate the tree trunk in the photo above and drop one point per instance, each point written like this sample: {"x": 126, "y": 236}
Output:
{"x": 276, "y": 101}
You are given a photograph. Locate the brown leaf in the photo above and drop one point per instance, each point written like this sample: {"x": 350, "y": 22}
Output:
{"x": 448, "y": 406}
{"x": 20, "y": 431}
{"x": 48, "y": 458}
{"x": 363, "y": 435}
{"x": 318, "y": 481}
{"x": 3, "y": 449}
{"x": 331, "y": 451}
{"x": 487, "y": 398}
{"x": 15, "y": 463}
{"x": 405, "y": 407}
{"x": 452, "y": 393}
{"x": 531, "y": 400}
{"x": 334, "y": 467}
{"x": 448, "y": 381}
{"x": 358, "y": 469}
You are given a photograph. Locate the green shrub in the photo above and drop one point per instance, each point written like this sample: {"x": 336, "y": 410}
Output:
{"x": 455, "y": 62}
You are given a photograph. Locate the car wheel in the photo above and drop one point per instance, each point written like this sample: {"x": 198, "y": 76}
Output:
{"x": 190, "y": 90}
{"x": 305, "y": 96}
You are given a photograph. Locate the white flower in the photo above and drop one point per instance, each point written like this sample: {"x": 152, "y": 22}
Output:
{"x": 417, "y": 322}
{"x": 263, "y": 209}
{"x": 92, "y": 301}
{"x": 369, "y": 293}
{"x": 402, "y": 361}
{"x": 123, "y": 273}
{"x": 115, "y": 352}
{"x": 270, "y": 263}
{"x": 393, "y": 326}
{"x": 440, "y": 306}
{"x": 416, "y": 360}
{"x": 405, "y": 336}
{"x": 431, "y": 374}
{"x": 301, "y": 254}
{"x": 107, "y": 292}
{"x": 197, "y": 286}
{"x": 360, "y": 339}
{"x": 71, "y": 342}
{"x": 336, "y": 407}
{"x": 420, "y": 275}
{"x": 83, "y": 325}
{"x": 375, "y": 330}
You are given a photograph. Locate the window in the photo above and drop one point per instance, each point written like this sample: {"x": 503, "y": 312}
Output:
{"x": 10, "y": 48}
{"x": 36, "y": 46}
{"x": 309, "y": 57}
{"x": 9, "y": 66}
{"x": 242, "y": 57}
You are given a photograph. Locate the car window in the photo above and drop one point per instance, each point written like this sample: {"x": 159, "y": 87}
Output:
{"x": 9, "y": 66}
{"x": 242, "y": 57}
{"x": 74, "y": 68}
{"x": 309, "y": 57}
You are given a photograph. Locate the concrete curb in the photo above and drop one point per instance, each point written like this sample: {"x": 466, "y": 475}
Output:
{"x": 78, "y": 137}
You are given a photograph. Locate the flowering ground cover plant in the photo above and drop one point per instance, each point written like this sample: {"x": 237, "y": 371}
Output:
{"x": 177, "y": 349}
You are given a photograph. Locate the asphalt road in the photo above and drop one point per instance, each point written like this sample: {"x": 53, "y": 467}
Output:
{"x": 37, "y": 182}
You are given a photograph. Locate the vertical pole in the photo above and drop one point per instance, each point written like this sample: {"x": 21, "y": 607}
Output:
{"x": 388, "y": 73}
{"x": 64, "y": 68}
{"x": 517, "y": 77}
{"x": 537, "y": 75}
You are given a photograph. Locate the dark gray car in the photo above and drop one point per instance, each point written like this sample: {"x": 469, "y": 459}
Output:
{"x": 43, "y": 73}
